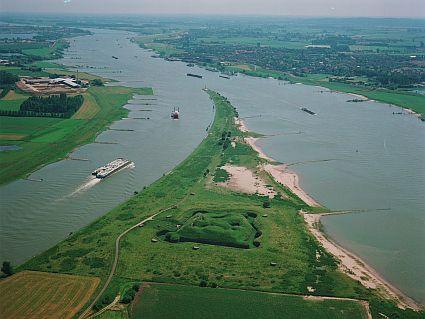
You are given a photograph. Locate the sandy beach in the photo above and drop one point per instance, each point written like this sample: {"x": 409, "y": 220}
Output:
{"x": 350, "y": 264}
{"x": 355, "y": 267}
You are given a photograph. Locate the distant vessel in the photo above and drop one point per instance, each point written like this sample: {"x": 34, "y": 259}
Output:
{"x": 116, "y": 58}
{"x": 110, "y": 168}
{"x": 308, "y": 111}
{"x": 191, "y": 65}
{"x": 224, "y": 76}
{"x": 194, "y": 75}
{"x": 175, "y": 114}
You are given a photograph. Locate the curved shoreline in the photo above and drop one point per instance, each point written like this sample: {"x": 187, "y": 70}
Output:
{"x": 349, "y": 263}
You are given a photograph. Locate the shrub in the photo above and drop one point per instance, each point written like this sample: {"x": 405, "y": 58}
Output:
{"x": 172, "y": 237}
{"x": 7, "y": 268}
{"x": 67, "y": 264}
{"x": 266, "y": 204}
{"x": 203, "y": 283}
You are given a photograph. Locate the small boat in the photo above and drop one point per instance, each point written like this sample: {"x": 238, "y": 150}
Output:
{"x": 116, "y": 58}
{"x": 194, "y": 75}
{"x": 175, "y": 114}
{"x": 308, "y": 111}
{"x": 224, "y": 76}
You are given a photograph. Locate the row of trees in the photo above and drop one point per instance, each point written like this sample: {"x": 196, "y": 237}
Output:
{"x": 60, "y": 106}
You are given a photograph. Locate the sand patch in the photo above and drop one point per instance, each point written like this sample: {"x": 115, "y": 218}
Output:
{"x": 354, "y": 266}
{"x": 243, "y": 180}
{"x": 290, "y": 179}
{"x": 12, "y": 137}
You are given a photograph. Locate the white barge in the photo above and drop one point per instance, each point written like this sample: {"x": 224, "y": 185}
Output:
{"x": 110, "y": 168}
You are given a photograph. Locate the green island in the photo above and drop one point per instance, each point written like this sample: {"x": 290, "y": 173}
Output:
{"x": 186, "y": 245}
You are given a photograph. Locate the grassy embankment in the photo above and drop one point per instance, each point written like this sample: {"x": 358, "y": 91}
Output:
{"x": 46, "y": 140}
{"x": 301, "y": 264}
{"x": 405, "y": 99}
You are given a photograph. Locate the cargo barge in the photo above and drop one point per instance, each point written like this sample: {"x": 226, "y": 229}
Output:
{"x": 307, "y": 111}
{"x": 111, "y": 168}
{"x": 194, "y": 75}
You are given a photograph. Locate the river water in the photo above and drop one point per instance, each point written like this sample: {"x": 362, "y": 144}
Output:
{"x": 349, "y": 156}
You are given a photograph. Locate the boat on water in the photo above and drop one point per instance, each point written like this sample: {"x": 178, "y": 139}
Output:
{"x": 194, "y": 75}
{"x": 115, "y": 57}
{"x": 175, "y": 114}
{"x": 224, "y": 76}
{"x": 308, "y": 111}
{"x": 111, "y": 168}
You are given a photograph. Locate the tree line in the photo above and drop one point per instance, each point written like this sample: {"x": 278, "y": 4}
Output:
{"x": 60, "y": 106}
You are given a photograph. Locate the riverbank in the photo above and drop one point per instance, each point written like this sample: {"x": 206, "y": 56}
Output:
{"x": 356, "y": 268}
{"x": 46, "y": 140}
{"x": 406, "y": 100}
{"x": 349, "y": 263}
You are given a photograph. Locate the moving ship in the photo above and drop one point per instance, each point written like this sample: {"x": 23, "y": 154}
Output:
{"x": 115, "y": 57}
{"x": 308, "y": 111}
{"x": 224, "y": 76}
{"x": 110, "y": 168}
{"x": 194, "y": 75}
{"x": 175, "y": 114}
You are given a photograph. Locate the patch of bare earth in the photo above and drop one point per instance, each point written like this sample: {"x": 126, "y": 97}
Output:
{"x": 242, "y": 179}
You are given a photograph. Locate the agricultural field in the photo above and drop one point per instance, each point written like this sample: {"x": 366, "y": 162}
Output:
{"x": 12, "y": 100}
{"x": 45, "y": 140}
{"x": 178, "y": 301}
{"x": 32, "y": 294}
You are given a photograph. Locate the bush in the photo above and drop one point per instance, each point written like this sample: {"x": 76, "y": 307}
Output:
{"x": 94, "y": 262}
{"x": 96, "y": 82}
{"x": 203, "y": 283}
{"x": 172, "y": 237}
{"x": 266, "y": 204}
{"x": 67, "y": 264}
{"x": 7, "y": 268}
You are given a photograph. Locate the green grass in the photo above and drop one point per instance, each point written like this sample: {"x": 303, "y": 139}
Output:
{"x": 233, "y": 229}
{"x": 21, "y": 72}
{"x": 175, "y": 301}
{"x": 284, "y": 239}
{"x": 47, "y": 52}
{"x": 220, "y": 175}
{"x": 46, "y": 140}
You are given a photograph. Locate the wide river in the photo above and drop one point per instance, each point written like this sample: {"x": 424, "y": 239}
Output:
{"x": 349, "y": 156}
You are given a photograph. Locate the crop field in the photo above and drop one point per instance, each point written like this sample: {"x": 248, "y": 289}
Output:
{"x": 12, "y": 100}
{"x": 176, "y": 301}
{"x": 45, "y": 140}
{"x": 32, "y": 294}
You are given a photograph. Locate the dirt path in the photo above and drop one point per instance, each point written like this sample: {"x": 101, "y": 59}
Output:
{"x": 116, "y": 257}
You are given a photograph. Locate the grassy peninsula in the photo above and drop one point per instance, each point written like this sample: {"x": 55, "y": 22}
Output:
{"x": 209, "y": 241}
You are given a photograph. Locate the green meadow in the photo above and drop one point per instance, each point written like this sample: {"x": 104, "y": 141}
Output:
{"x": 46, "y": 140}
{"x": 178, "y": 302}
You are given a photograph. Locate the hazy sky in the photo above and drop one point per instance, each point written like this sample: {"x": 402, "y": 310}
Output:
{"x": 385, "y": 8}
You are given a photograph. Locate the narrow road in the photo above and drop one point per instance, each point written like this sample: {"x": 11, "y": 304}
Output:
{"x": 116, "y": 257}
